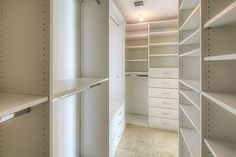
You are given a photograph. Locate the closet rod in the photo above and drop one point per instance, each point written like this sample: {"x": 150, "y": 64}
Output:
{"x": 137, "y": 75}
{"x": 117, "y": 23}
{"x": 14, "y": 115}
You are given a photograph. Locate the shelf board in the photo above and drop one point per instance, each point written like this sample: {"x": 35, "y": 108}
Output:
{"x": 163, "y": 33}
{"x": 136, "y": 60}
{"x": 137, "y": 119}
{"x": 163, "y": 55}
{"x": 220, "y": 148}
{"x": 192, "y": 116}
{"x": 191, "y": 53}
{"x": 224, "y": 18}
{"x": 193, "y": 20}
{"x": 225, "y": 100}
{"x": 136, "y": 47}
{"x": 136, "y": 37}
{"x": 192, "y": 141}
{"x": 136, "y": 73}
{"x": 188, "y": 4}
{"x": 12, "y": 103}
{"x": 193, "y": 38}
{"x": 164, "y": 44}
{"x": 66, "y": 88}
{"x": 192, "y": 84}
{"x": 191, "y": 97}
{"x": 221, "y": 57}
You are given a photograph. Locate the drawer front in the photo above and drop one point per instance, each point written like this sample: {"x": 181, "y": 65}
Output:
{"x": 164, "y": 93}
{"x": 164, "y": 73}
{"x": 163, "y": 113}
{"x": 164, "y": 83}
{"x": 162, "y": 123}
{"x": 164, "y": 103}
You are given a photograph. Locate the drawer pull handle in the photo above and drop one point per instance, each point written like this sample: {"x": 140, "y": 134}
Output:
{"x": 165, "y": 83}
{"x": 165, "y": 113}
{"x": 165, "y": 103}
{"x": 164, "y": 123}
{"x": 165, "y": 93}
{"x": 166, "y": 73}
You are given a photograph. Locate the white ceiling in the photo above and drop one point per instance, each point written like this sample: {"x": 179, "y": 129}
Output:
{"x": 153, "y": 10}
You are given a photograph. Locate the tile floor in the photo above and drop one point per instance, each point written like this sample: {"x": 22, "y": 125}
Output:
{"x": 138, "y": 141}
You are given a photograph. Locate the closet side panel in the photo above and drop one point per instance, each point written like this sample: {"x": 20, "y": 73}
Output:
{"x": 66, "y": 61}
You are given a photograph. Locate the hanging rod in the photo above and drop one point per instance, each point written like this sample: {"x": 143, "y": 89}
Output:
{"x": 133, "y": 75}
{"x": 14, "y": 115}
{"x": 117, "y": 23}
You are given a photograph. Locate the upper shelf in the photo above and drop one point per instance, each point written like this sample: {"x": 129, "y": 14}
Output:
{"x": 164, "y": 44}
{"x": 225, "y": 100}
{"x": 221, "y": 57}
{"x": 221, "y": 148}
{"x": 136, "y": 37}
{"x": 192, "y": 84}
{"x": 163, "y": 33}
{"x": 191, "y": 53}
{"x": 65, "y": 88}
{"x": 137, "y": 47}
{"x": 193, "y": 20}
{"x": 224, "y": 18}
{"x": 188, "y": 4}
{"x": 11, "y": 103}
{"x": 193, "y": 38}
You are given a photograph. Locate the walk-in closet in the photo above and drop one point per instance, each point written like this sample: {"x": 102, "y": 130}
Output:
{"x": 117, "y": 78}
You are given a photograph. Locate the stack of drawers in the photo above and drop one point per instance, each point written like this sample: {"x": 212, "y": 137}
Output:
{"x": 163, "y": 98}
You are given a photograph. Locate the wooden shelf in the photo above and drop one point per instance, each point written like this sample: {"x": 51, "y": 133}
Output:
{"x": 163, "y": 33}
{"x": 137, "y": 119}
{"x": 191, "y": 53}
{"x": 12, "y": 103}
{"x": 188, "y": 4}
{"x": 136, "y": 47}
{"x": 225, "y": 100}
{"x": 191, "y": 97}
{"x": 193, "y": 21}
{"x": 220, "y": 148}
{"x": 136, "y": 73}
{"x": 136, "y": 37}
{"x": 221, "y": 57}
{"x": 192, "y": 141}
{"x": 192, "y": 115}
{"x": 66, "y": 88}
{"x": 224, "y": 18}
{"x": 192, "y": 84}
{"x": 163, "y": 55}
{"x": 164, "y": 44}
{"x": 193, "y": 38}
{"x": 136, "y": 60}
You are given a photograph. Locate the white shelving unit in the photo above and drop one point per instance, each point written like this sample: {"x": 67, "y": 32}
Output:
{"x": 221, "y": 57}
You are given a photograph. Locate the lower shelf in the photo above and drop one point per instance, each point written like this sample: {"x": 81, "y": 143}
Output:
{"x": 137, "y": 119}
{"x": 221, "y": 148}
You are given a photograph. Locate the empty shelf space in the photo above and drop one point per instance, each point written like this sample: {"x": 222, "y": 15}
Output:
{"x": 225, "y": 100}
{"x": 224, "y": 18}
{"x": 221, "y": 57}
{"x": 163, "y": 55}
{"x": 137, "y": 47}
{"x": 134, "y": 37}
{"x": 192, "y": 84}
{"x": 191, "y": 53}
{"x": 191, "y": 97}
{"x": 65, "y": 88}
{"x": 163, "y": 33}
{"x": 193, "y": 38}
{"x": 193, "y": 21}
{"x": 136, "y": 60}
{"x": 11, "y": 103}
{"x": 220, "y": 148}
{"x": 137, "y": 119}
{"x": 193, "y": 115}
{"x": 164, "y": 44}
{"x": 192, "y": 141}
{"x": 188, "y": 4}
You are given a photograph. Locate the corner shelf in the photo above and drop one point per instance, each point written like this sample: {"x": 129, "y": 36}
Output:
{"x": 225, "y": 100}
{"x": 192, "y": 116}
{"x": 224, "y": 18}
{"x": 193, "y": 38}
{"x": 164, "y": 44}
{"x": 66, "y": 88}
{"x": 12, "y": 103}
{"x": 191, "y": 53}
{"x": 192, "y": 141}
{"x": 191, "y": 97}
{"x": 221, "y": 57}
{"x": 192, "y": 20}
{"x": 192, "y": 84}
{"x": 221, "y": 148}
{"x": 186, "y": 4}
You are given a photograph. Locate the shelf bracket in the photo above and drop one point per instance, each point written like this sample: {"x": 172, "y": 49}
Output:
{"x": 14, "y": 115}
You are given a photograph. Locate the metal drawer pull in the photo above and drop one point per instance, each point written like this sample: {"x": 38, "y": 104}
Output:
{"x": 165, "y": 113}
{"x": 165, "y": 73}
{"x": 165, "y": 103}
{"x": 165, "y": 93}
{"x": 164, "y": 123}
{"x": 165, "y": 83}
